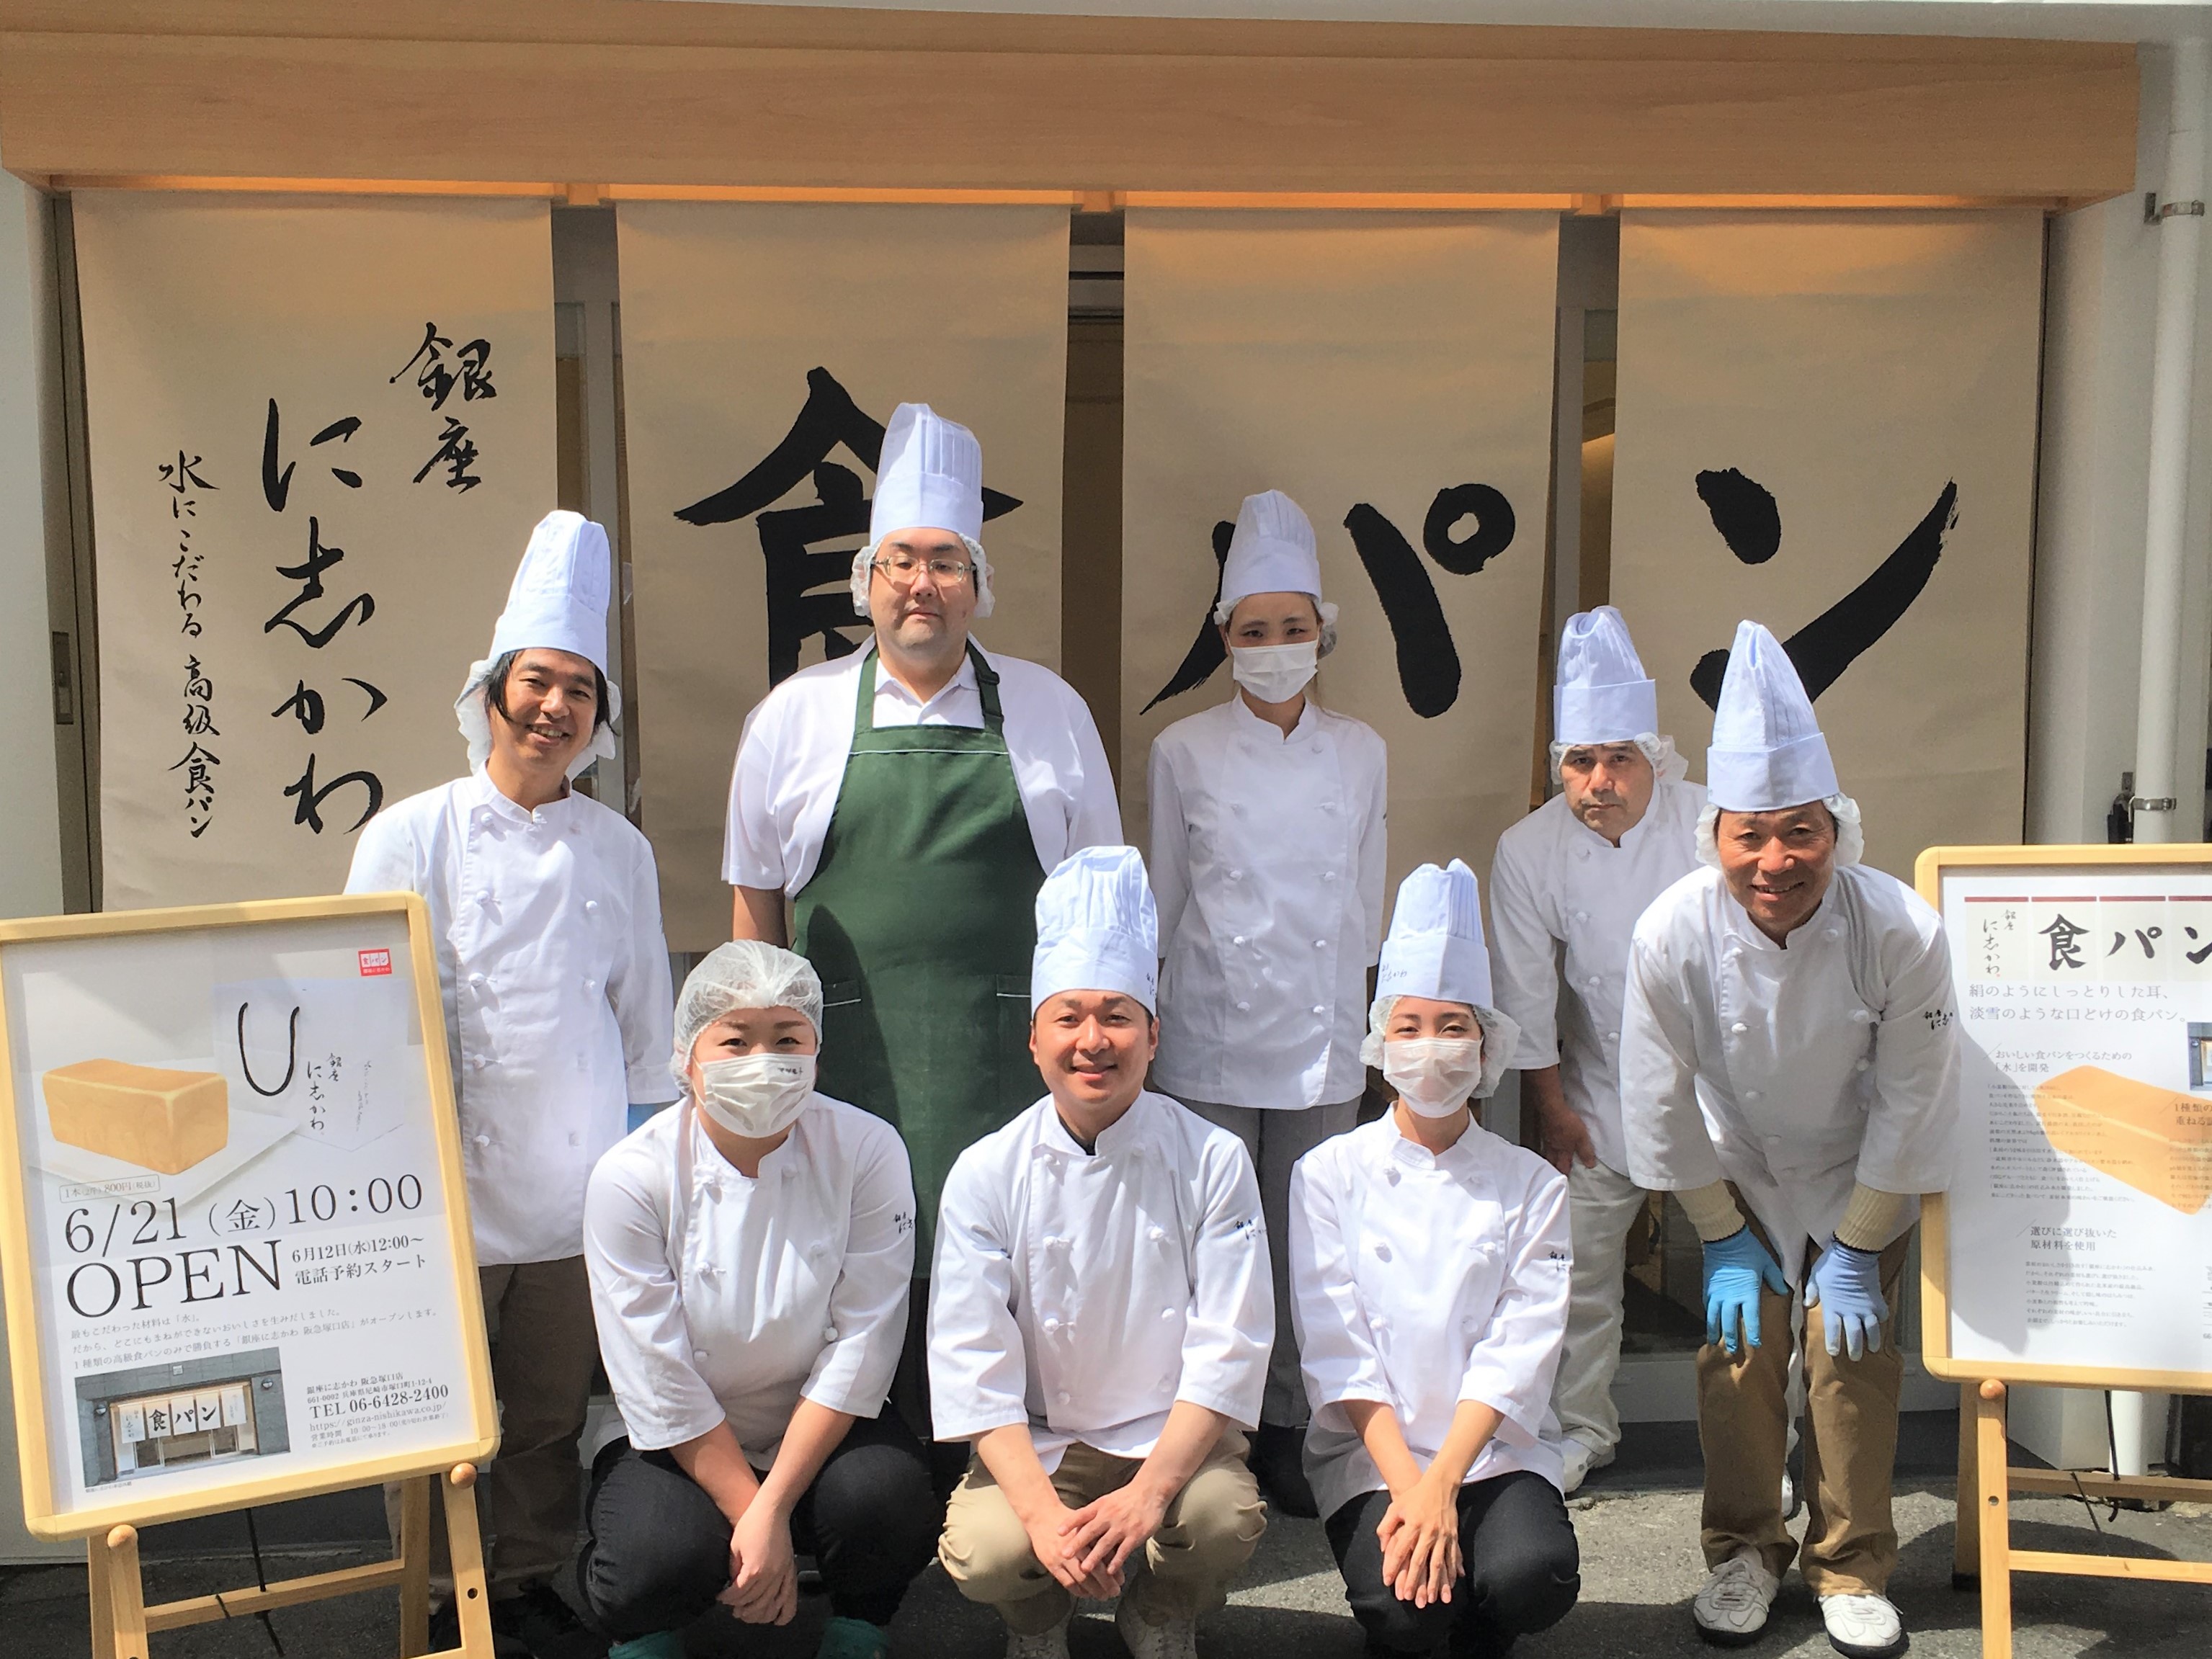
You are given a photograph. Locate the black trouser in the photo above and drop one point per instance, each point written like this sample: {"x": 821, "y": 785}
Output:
{"x": 910, "y": 1401}
{"x": 1523, "y": 1568}
{"x": 657, "y": 1550}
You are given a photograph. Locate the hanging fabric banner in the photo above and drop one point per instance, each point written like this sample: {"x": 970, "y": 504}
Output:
{"x": 1827, "y": 422}
{"x": 764, "y": 348}
{"x": 1392, "y": 374}
{"x": 321, "y": 432}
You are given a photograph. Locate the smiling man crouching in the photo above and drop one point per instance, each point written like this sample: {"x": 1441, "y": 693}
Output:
{"x": 1101, "y": 1315}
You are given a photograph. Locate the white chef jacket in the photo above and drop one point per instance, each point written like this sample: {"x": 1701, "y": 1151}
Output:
{"x": 721, "y": 1298}
{"x": 1421, "y": 1281}
{"x": 1084, "y": 1293}
{"x": 791, "y": 763}
{"x": 1267, "y": 865}
{"x": 1792, "y": 1072}
{"x": 554, "y": 978}
{"x": 1564, "y": 903}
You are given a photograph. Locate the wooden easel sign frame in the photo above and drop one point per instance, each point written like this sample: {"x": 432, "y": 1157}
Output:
{"x": 2079, "y": 1201}
{"x": 234, "y": 1236}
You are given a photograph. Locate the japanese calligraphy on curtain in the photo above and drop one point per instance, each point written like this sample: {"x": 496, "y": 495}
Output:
{"x": 320, "y": 433}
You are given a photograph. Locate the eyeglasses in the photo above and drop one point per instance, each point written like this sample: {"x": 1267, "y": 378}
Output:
{"x": 904, "y": 568}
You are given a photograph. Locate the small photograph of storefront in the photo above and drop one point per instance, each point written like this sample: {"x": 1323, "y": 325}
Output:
{"x": 153, "y": 1418}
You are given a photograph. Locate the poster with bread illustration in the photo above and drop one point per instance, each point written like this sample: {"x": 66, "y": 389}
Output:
{"x": 233, "y": 1225}
{"x": 2072, "y": 1242}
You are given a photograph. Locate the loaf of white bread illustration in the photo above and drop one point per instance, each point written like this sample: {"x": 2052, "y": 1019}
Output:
{"x": 2154, "y": 1140}
{"x": 159, "y": 1119}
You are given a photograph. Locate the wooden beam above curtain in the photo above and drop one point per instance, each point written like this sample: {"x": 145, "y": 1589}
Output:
{"x": 410, "y": 94}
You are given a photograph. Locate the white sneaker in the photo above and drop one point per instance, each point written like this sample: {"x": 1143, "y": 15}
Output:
{"x": 1731, "y": 1609}
{"x": 1045, "y": 1645}
{"x": 1863, "y": 1627}
{"x": 1580, "y": 1457}
{"x": 1174, "y": 1639}
{"x": 1790, "y": 1499}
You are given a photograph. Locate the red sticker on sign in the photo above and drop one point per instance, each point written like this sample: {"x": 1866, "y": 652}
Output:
{"x": 375, "y": 962}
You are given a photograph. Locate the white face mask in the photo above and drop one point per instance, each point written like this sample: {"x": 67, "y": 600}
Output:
{"x": 755, "y": 1095}
{"x": 1275, "y": 673}
{"x": 1433, "y": 1075}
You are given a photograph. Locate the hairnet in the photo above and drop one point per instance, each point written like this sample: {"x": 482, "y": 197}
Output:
{"x": 1669, "y": 766}
{"x": 1500, "y": 1037}
{"x": 746, "y": 973}
{"x": 1850, "y": 834}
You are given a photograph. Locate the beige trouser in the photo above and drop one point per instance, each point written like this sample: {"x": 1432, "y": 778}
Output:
{"x": 1851, "y": 1443}
{"x": 1209, "y": 1533}
{"x": 538, "y": 1319}
{"x": 1276, "y": 1141}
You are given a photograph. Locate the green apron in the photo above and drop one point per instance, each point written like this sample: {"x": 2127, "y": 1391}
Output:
{"x": 921, "y": 919}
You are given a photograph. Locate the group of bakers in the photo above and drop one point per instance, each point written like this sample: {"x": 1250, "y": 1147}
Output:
{"x": 863, "y": 1294}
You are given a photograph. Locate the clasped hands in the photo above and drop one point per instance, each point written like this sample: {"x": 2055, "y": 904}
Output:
{"x": 1087, "y": 1550}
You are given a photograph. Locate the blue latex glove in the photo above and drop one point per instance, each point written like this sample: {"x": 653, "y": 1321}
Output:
{"x": 1736, "y": 1267}
{"x": 1847, "y": 1285}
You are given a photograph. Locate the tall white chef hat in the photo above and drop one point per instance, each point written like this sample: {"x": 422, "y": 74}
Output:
{"x": 1768, "y": 752}
{"x": 1601, "y": 694}
{"x": 1273, "y": 551}
{"x": 1097, "y": 929}
{"x": 1435, "y": 950}
{"x": 558, "y": 602}
{"x": 930, "y": 475}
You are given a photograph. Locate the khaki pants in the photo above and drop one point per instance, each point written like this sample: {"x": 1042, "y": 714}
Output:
{"x": 1209, "y": 1533}
{"x": 538, "y": 1317}
{"x": 1851, "y": 1444}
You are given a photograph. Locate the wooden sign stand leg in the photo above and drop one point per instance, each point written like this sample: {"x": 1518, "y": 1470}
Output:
{"x": 1993, "y": 1519}
{"x": 1966, "y": 1531}
{"x": 121, "y": 1618}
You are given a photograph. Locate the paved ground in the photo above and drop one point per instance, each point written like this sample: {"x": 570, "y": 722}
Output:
{"x": 1640, "y": 1566}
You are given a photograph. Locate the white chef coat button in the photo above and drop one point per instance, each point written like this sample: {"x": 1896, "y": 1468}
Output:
{"x": 1860, "y": 1015}
{"x": 1383, "y": 1250}
{"x": 1238, "y": 939}
{"x": 1236, "y": 875}
{"x": 1393, "y": 1178}
{"x": 1751, "y": 1094}
{"x": 1328, "y": 875}
{"x": 829, "y": 1332}
{"x": 575, "y": 1140}
{"x": 1774, "y": 1140}
{"x": 1582, "y": 916}
{"x": 1243, "y": 1007}
{"x": 483, "y": 1140}
{"x": 591, "y": 984}
{"x": 1582, "y": 852}
{"x": 1832, "y": 933}
{"x": 1328, "y": 806}
{"x": 1156, "y": 1234}
{"x": 1051, "y": 1326}
{"x": 1739, "y": 1028}
{"x": 698, "y": 1356}
{"x": 591, "y": 907}
{"x": 1237, "y": 808}
{"x": 1321, "y": 944}
{"x": 1593, "y": 982}
{"x": 1063, "y": 1396}
{"x": 1320, "y": 1008}
{"x": 1167, "y": 1313}
{"x": 1863, "y": 1064}
{"x": 476, "y": 1062}
{"x": 475, "y": 979}
{"x": 1612, "y": 1036}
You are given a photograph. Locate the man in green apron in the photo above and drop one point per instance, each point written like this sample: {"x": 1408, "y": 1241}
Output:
{"x": 906, "y": 801}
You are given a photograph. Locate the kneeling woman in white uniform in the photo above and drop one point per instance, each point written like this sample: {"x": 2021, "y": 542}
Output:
{"x": 1429, "y": 1268}
{"x": 749, "y": 1252}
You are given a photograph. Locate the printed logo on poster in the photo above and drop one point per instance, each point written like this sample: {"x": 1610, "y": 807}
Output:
{"x": 373, "y": 962}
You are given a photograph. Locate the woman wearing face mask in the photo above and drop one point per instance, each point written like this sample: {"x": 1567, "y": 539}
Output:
{"x": 1429, "y": 1266}
{"x": 750, "y": 1253}
{"x": 1268, "y": 864}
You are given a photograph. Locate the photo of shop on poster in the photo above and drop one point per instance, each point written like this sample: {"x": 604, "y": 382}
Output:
{"x": 236, "y": 1239}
